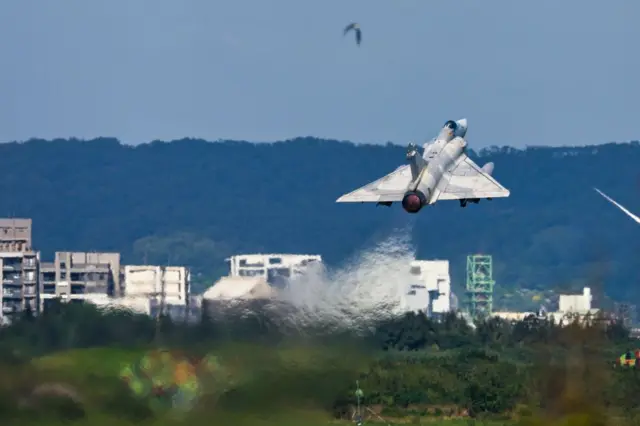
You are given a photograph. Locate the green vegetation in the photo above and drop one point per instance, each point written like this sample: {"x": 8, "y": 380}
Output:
{"x": 68, "y": 364}
{"x": 192, "y": 202}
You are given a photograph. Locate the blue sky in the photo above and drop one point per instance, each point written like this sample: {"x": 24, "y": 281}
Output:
{"x": 547, "y": 72}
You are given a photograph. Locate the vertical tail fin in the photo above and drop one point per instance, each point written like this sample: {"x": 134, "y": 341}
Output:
{"x": 415, "y": 160}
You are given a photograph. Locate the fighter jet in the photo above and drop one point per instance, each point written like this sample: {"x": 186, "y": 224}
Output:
{"x": 612, "y": 201}
{"x": 442, "y": 172}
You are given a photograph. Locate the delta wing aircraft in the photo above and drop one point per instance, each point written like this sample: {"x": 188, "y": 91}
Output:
{"x": 442, "y": 172}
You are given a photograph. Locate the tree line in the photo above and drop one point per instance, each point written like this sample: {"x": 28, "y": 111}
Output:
{"x": 188, "y": 203}
{"x": 409, "y": 366}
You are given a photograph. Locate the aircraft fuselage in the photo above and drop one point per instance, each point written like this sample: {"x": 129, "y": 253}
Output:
{"x": 438, "y": 156}
{"x": 422, "y": 188}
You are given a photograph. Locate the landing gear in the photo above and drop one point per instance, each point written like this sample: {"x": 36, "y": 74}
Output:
{"x": 463, "y": 203}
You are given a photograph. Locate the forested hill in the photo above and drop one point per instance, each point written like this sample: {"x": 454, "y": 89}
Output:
{"x": 196, "y": 202}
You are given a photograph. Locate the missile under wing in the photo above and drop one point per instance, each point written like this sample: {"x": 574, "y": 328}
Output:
{"x": 443, "y": 172}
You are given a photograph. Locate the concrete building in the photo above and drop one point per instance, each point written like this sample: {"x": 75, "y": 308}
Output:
{"x": 571, "y": 307}
{"x": 579, "y": 303}
{"x": 86, "y": 273}
{"x": 276, "y": 269}
{"x": 19, "y": 266}
{"x": 430, "y": 289}
{"x": 574, "y": 306}
{"x": 166, "y": 284}
{"x": 142, "y": 286}
{"x": 15, "y": 235}
{"x": 62, "y": 291}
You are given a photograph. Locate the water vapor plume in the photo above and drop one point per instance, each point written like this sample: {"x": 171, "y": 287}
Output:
{"x": 368, "y": 289}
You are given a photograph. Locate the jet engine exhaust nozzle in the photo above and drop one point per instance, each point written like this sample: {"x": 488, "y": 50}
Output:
{"x": 412, "y": 202}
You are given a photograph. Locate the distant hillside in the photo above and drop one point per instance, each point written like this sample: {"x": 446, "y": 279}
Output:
{"x": 195, "y": 202}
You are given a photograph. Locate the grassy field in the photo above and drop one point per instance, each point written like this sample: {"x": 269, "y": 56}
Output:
{"x": 284, "y": 385}
{"x": 290, "y": 385}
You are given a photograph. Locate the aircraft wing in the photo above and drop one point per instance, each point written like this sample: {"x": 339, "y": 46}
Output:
{"x": 466, "y": 180}
{"x": 391, "y": 187}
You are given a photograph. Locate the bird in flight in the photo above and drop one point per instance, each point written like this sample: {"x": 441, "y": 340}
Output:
{"x": 355, "y": 27}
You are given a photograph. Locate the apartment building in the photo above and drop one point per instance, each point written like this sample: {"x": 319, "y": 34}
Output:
{"x": 168, "y": 285}
{"x": 85, "y": 273}
{"x": 19, "y": 267}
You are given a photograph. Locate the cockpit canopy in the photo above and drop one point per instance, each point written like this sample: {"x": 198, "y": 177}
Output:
{"x": 451, "y": 125}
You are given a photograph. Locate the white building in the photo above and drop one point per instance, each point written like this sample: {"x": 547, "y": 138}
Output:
{"x": 430, "y": 288}
{"x": 167, "y": 283}
{"x": 574, "y": 306}
{"x": 274, "y": 268}
{"x": 571, "y": 307}
{"x": 576, "y": 303}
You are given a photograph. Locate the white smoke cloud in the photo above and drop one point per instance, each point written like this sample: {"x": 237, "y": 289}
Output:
{"x": 367, "y": 289}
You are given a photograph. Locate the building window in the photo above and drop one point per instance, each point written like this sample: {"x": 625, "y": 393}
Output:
{"x": 277, "y": 277}
{"x": 251, "y": 272}
{"x": 246, "y": 263}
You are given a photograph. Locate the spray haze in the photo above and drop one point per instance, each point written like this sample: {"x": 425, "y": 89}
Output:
{"x": 354, "y": 297}
{"x": 369, "y": 288}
